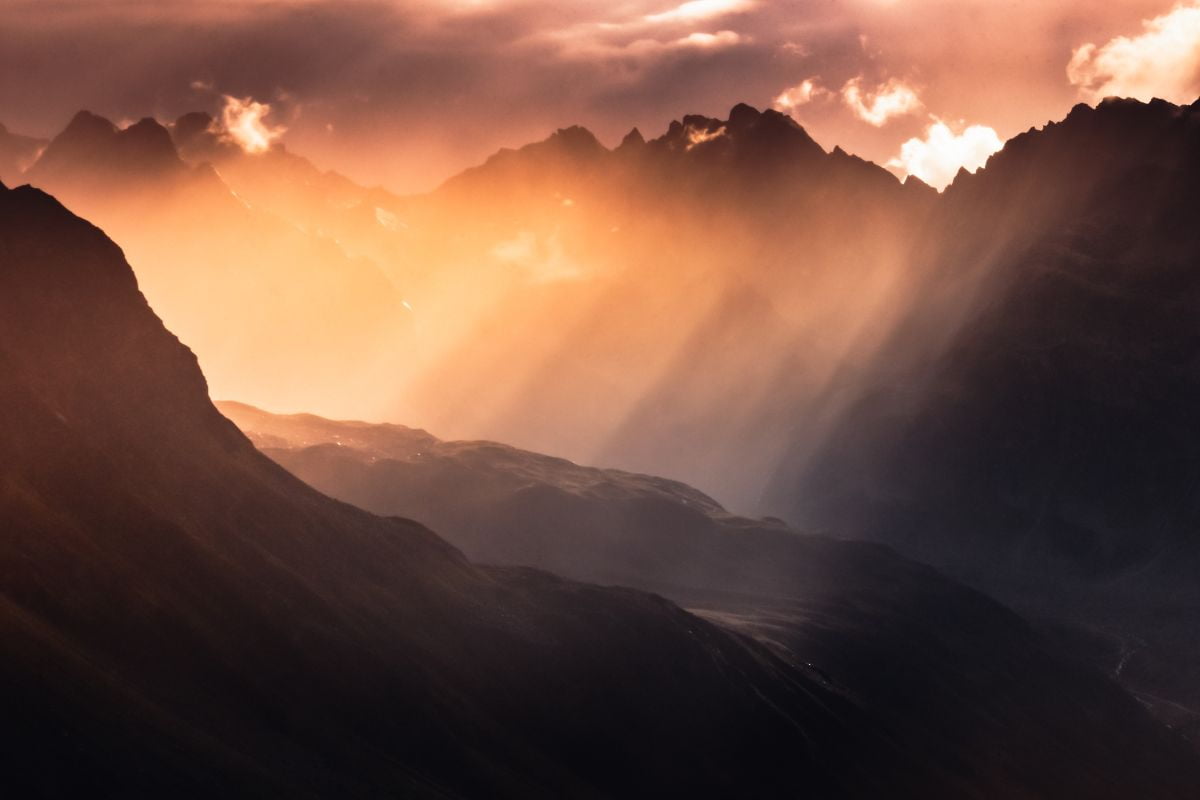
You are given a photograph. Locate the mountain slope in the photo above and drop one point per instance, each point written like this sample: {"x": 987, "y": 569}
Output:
{"x": 564, "y": 272}
{"x": 294, "y": 313}
{"x": 1044, "y": 445}
{"x": 967, "y": 688}
{"x": 182, "y": 617}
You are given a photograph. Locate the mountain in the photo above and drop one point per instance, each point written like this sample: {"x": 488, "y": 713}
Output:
{"x": 624, "y": 277}
{"x": 564, "y": 296}
{"x": 895, "y": 636}
{"x": 297, "y": 313}
{"x": 1032, "y": 428}
{"x": 184, "y": 618}
{"x": 628, "y": 258}
{"x": 97, "y": 153}
{"x": 995, "y": 380}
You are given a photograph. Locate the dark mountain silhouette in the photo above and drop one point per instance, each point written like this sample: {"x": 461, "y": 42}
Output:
{"x": 96, "y": 152}
{"x": 897, "y": 637}
{"x": 1045, "y": 445}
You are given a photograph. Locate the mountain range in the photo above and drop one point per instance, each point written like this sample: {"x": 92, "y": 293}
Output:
{"x": 184, "y": 617}
{"x": 1045, "y": 448}
{"x": 996, "y": 380}
{"x": 566, "y": 297}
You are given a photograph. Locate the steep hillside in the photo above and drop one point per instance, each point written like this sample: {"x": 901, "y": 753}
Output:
{"x": 967, "y": 687}
{"x": 1037, "y": 435}
{"x": 184, "y": 618}
{"x": 273, "y": 309}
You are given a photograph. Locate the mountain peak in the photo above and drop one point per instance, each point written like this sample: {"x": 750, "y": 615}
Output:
{"x": 576, "y": 139}
{"x": 85, "y": 124}
{"x": 92, "y": 146}
{"x": 190, "y": 125}
{"x": 748, "y": 135}
{"x": 743, "y": 115}
{"x": 150, "y": 137}
{"x": 632, "y": 140}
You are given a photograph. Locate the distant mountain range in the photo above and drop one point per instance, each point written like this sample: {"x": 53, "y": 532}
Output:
{"x": 184, "y": 618}
{"x": 564, "y": 296}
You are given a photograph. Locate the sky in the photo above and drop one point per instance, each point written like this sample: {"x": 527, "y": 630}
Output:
{"x": 404, "y": 94}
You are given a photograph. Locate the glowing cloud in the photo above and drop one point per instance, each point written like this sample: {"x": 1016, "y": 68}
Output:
{"x": 801, "y": 94}
{"x": 891, "y": 99}
{"x": 700, "y": 136}
{"x": 587, "y": 45}
{"x": 698, "y": 10}
{"x": 938, "y": 157}
{"x": 244, "y": 121}
{"x": 1164, "y": 61}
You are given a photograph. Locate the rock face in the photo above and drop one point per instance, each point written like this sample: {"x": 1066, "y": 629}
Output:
{"x": 1045, "y": 445}
{"x": 895, "y": 637}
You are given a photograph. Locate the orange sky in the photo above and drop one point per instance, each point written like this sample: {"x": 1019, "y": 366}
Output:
{"x": 405, "y": 93}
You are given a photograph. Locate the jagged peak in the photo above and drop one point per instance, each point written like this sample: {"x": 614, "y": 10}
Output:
{"x": 149, "y": 132}
{"x": 191, "y": 124}
{"x": 91, "y": 143}
{"x": 743, "y": 114}
{"x": 633, "y": 139}
{"x": 913, "y": 182}
{"x": 576, "y": 138}
{"x": 85, "y": 123}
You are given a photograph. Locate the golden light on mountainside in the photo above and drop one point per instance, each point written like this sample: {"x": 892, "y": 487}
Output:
{"x": 555, "y": 296}
{"x": 535, "y": 398}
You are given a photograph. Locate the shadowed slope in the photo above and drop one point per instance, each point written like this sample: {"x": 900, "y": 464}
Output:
{"x": 1045, "y": 446}
{"x": 964, "y": 687}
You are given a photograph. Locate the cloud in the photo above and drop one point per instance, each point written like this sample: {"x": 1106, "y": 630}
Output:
{"x": 938, "y": 157}
{"x": 1163, "y": 61}
{"x": 418, "y": 90}
{"x": 891, "y": 99}
{"x": 697, "y": 136}
{"x": 587, "y": 48}
{"x": 801, "y": 94}
{"x": 244, "y": 122}
{"x": 698, "y": 10}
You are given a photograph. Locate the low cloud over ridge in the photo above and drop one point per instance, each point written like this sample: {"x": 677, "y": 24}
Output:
{"x": 938, "y": 157}
{"x": 1163, "y": 61}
